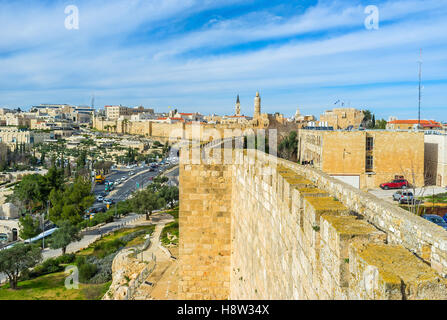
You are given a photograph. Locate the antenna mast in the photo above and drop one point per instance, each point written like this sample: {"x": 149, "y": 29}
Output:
{"x": 420, "y": 81}
{"x": 93, "y": 101}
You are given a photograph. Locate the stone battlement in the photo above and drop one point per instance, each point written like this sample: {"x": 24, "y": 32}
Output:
{"x": 265, "y": 228}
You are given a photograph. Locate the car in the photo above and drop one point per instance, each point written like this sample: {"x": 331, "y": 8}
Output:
{"x": 395, "y": 184}
{"x": 108, "y": 201}
{"x": 117, "y": 182}
{"x": 123, "y": 178}
{"x": 406, "y": 197}
{"x": 403, "y": 196}
{"x": 435, "y": 219}
{"x": 100, "y": 198}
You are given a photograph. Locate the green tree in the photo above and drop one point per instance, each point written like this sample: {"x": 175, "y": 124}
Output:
{"x": 380, "y": 124}
{"x": 32, "y": 191}
{"x": 29, "y": 227}
{"x": 146, "y": 201}
{"x": 55, "y": 178}
{"x": 170, "y": 194}
{"x": 71, "y": 203}
{"x": 82, "y": 160}
{"x": 288, "y": 147}
{"x": 18, "y": 259}
{"x": 62, "y": 237}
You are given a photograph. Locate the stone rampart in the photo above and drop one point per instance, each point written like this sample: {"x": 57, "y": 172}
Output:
{"x": 265, "y": 228}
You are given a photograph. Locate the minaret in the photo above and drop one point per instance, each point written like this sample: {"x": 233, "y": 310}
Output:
{"x": 257, "y": 106}
{"x": 238, "y": 106}
{"x": 297, "y": 114}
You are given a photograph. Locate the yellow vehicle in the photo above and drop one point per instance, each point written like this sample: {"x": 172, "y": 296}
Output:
{"x": 100, "y": 179}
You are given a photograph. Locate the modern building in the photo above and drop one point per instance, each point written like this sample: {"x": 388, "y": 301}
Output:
{"x": 364, "y": 159}
{"x": 116, "y": 112}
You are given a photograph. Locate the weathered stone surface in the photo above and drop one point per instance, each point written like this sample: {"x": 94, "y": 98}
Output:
{"x": 266, "y": 228}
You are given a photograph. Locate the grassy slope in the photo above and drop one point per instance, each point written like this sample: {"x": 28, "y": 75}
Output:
{"x": 52, "y": 286}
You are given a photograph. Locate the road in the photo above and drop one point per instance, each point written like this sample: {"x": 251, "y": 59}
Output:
{"x": 425, "y": 191}
{"x": 121, "y": 192}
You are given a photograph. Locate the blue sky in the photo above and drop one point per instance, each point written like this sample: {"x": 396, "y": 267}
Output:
{"x": 198, "y": 55}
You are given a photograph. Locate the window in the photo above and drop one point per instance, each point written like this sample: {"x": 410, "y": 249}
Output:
{"x": 369, "y": 163}
{"x": 369, "y": 143}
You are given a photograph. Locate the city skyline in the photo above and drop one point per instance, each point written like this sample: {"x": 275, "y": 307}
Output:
{"x": 304, "y": 54}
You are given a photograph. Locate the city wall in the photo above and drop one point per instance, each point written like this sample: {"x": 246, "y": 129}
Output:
{"x": 264, "y": 228}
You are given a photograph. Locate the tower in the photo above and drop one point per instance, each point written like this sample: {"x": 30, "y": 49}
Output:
{"x": 238, "y": 106}
{"x": 257, "y": 105}
{"x": 297, "y": 114}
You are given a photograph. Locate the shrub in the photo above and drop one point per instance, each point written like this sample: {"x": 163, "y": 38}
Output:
{"x": 104, "y": 266}
{"x": 86, "y": 272}
{"x": 48, "y": 266}
{"x": 79, "y": 261}
{"x": 66, "y": 258}
{"x": 105, "y": 248}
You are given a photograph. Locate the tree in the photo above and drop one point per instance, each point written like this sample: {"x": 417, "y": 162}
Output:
{"x": 71, "y": 203}
{"x": 288, "y": 147}
{"x": 29, "y": 227}
{"x": 145, "y": 202}
{"x": 18, "y": 259}
{"x": 170, "y": 194}
{"x": 82, "y": 160}
{"x": 380, "y": 124}
{"x": 32, "y": 191}
{"x": 66, "y": 234}
{"x": 55, "y": 178}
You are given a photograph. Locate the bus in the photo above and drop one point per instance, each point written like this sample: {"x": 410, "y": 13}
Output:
{"x": 100, "y": 179}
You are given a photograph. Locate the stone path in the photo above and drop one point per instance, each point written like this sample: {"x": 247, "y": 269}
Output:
{"x": 164, "y": 264}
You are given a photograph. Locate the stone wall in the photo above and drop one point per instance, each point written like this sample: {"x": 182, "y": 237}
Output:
{"x": 266, "y": 228}
{"x": 205, "y": 244}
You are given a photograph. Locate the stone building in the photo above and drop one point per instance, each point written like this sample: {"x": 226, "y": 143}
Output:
{"x": 436, "y": 159}
{"x": 364, "y": 159}
{"x": 342, "y": 118}
{"x": 12, "y": 136}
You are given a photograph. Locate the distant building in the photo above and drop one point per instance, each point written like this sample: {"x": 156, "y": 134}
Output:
{"x": 364, "y": 159}
{"x": 116, "y": 112}
{"x": 413, "y": 124}
{"x": 343, "y": 118}
{"x": 12, "y": 136}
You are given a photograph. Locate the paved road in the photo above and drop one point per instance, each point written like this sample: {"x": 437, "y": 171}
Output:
{"x": 426, "y": 191}
{"x": 88, "y": 238}
{"x": 142, "y": 177}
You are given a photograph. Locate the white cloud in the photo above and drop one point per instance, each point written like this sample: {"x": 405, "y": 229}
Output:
{"x": 321, "y": 54}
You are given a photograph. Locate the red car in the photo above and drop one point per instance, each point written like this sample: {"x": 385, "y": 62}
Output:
{"x": 395, "y": 184}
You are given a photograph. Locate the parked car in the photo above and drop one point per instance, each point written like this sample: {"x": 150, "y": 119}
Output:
{"x": 395, "y": 184}
{"x": 404, "y": 197}
{"x": 99, "y": 198}
{"x": 435, "y": 219}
